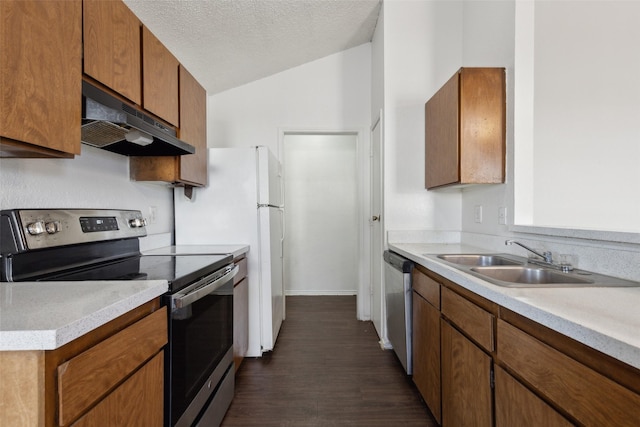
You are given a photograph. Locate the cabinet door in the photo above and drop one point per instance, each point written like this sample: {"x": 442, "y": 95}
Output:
{"x": 160, "y": 79}
{"x": 137, "y": 402}
{"x": 41, "y": 78}
{"x": 84, "y": 379}
{"x": 112, "y": 47}
{"x": 517, "y": 406}
{"x": 465, "y": 129}
{"x": 441, "y": 136}
{"x": 190, "y": 169}
{"x": 193, "y": 128}
{"x": 466, "y": 384}
{"x": 426, "y": 353}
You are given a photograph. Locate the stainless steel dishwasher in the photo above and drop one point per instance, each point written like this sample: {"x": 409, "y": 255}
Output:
{"x": 397, "y": 275}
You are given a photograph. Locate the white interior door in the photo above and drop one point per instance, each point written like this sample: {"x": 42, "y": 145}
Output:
{"x": 321, "y": 214}
{"x": 378, "y": 315}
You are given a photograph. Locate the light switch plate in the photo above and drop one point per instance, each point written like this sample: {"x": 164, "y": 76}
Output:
{"x": 502, "y": 215}
{"x": 477, "y": 214}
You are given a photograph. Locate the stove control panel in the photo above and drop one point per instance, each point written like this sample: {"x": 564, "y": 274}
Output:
{"x": 45, "y": 228}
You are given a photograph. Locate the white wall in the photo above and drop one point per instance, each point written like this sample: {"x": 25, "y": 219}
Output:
{"x": 424, "y": 43}
{"x": 587, "y": 115}
{"x": 422, "y": 49}
{"x": 488, "y": 41}
{"x": 321, "y": 193}
{"x": 330, "y": 94}
{"x": 95, "y": 179}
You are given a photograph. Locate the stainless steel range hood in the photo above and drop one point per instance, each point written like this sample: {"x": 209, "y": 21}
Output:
{"x": 112, "y": 125}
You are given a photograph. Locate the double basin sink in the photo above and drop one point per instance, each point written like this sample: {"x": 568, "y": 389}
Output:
{"x": 513, "y": 271}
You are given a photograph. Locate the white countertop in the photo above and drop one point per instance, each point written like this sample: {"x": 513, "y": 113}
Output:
{"x": 606, "y": 319}
{"x": 235, "y": 250}
{"x": 48, "y": 315}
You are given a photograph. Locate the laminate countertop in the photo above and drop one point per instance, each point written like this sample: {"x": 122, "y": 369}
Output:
{"x": 606, "y": 319}
{"x": 48, "y": 315}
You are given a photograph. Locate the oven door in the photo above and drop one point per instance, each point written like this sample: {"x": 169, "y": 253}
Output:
{"x": 200, "y": 350}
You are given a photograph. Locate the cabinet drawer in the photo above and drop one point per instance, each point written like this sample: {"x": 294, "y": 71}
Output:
{"x": 590, "y": 398}
{"x": 86, "y": 378}
{"x": 473, "y": 320}
{"x": 428, "y": 288}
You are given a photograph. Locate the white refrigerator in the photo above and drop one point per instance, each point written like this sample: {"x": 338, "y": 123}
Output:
{"x": 243, "y": 204}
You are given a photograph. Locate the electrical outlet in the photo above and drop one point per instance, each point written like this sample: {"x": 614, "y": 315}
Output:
{"x": 502, "y": 215}
{"x": 477, "y": 214}
{"x": 153, "y": 214}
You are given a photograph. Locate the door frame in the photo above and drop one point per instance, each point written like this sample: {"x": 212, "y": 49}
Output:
{"x": 363, "y": 311}
{"x": 375, "y": 253}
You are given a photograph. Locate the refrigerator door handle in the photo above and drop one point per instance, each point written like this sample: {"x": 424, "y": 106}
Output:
{"x": 268, "y": 205}
{"x": 282, "y": 223}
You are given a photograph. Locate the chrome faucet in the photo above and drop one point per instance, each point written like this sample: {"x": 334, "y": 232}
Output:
{"x": 547, "y": 256}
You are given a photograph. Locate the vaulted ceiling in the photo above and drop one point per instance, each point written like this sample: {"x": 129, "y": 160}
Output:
{"x": 228, "y": 43}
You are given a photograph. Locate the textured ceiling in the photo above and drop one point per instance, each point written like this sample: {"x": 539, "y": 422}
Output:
{"x": 227, "y": 43}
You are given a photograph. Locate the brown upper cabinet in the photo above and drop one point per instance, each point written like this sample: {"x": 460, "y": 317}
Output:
{"x": 465, "y": 129}
{"x": 125, "y": 56}
{"x": 40, "y": 78}
{"x": 159, "y": 79}
{"x": 112, "y": 47}
{"x": 189, "y": 169}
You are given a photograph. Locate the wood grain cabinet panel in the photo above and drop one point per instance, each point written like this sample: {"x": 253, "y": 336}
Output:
{"x": 159, "y": 79}
{"x": 89, "y": 376}
{"x": 426, "y": 353}
{"x": 137, "y": 402}
{"x": 428, "y": 288}
{"x": 189, "y": 169}
{"x": 193, "y": 129}
{"x": 473, "y": 320}
{"x": 466, "y": 381}
{"x": 112, "y": 47}
{"x": 587, "y": 396}
{"x": 465, "y": 125}
{"x": 40, "y": 78}
{"x": 518, "y": 406}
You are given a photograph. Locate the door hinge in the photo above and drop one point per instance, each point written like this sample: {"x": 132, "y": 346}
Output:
{"x": 492, "y": 379}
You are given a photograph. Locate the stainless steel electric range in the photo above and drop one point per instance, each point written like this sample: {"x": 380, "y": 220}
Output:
{"x": 94, "y": 245}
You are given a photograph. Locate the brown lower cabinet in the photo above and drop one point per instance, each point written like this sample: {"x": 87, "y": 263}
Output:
{"x": 466, "y": 381}
{"x": 501, "y": 369}
{"x": 518, "y": 406}
{"x": 426, "y": 343}
{"x": 111, "y": 376}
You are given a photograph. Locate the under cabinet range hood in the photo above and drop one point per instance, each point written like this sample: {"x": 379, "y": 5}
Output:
{"x": 115, "y": 126}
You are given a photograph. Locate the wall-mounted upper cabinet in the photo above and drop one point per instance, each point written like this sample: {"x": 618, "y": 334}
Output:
{"x": 40, "y": 78}
{"x": 145, "y": 72}
{"x": 159, "y": 79}
{"x": 465, "y": 124}
{"x": 112, "y": 47}
{"x": 189, "y": 169}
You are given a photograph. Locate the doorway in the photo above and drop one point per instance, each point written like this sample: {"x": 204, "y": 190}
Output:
{"x": 321, "y": 199}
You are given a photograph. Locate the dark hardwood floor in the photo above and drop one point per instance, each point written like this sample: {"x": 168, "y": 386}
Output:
{"x": 327, "y": 369}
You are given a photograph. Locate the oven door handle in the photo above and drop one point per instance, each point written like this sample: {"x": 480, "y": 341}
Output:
{"x": 201, "y": 289}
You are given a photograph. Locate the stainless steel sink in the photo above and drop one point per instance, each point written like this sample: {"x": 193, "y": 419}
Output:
{"x": 530, "y": 275}
{"x": 478, "y": 259}
{"x": 516, "y": 272}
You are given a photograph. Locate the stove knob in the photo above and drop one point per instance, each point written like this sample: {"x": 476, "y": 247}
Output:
{"x": 137, "y": 222}
{"x": 52, "y": 227}
{"x": 36, "y": 228}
